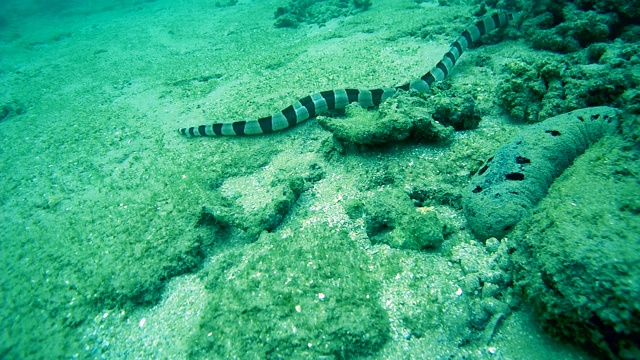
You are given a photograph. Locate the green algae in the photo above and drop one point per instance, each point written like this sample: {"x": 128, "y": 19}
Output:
{"x": 305, "y": 295}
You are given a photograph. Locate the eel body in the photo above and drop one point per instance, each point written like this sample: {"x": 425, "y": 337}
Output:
{"x": 310, "y": 106}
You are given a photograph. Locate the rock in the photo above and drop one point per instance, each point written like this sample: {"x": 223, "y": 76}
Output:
{"x": 306, "y": 296}
{"x": 391, "y": 218}
{"x": 578, "y": 255}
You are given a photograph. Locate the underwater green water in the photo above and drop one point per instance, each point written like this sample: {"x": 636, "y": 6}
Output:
{"x": 120, "y": 238}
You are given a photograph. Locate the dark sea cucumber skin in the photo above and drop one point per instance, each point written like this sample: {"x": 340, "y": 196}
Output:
{"x": 518, "y": 176}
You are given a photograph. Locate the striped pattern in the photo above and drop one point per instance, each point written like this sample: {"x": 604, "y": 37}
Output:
{"x": 315, "y": 104}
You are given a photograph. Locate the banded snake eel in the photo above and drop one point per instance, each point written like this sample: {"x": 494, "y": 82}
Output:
{"x": 310, "y": 106}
